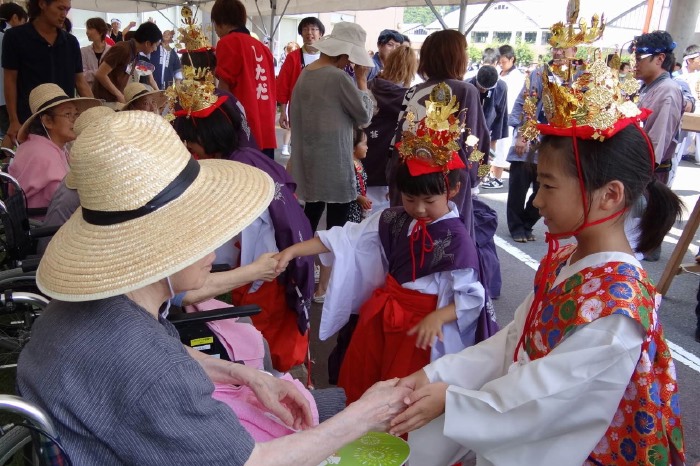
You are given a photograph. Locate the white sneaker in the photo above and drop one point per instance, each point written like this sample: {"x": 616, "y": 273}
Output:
{"x": 285, "y": 149}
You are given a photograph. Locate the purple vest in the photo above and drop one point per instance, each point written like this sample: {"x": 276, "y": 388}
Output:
{"x": 453, "y": 248}
{"x": 291, "y": 226}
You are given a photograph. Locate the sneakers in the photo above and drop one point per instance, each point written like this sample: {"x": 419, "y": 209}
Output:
{"x": 285, "y": 149}
{"x": 492, "y": 183}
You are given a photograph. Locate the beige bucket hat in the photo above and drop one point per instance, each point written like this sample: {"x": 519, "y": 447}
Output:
{"x": 134, "y": 91}
{"x": 148, "y": 209}
{"x": 86, "y": 118}
{"x": 49, "y": 95}
{"x": 346, "y": 39}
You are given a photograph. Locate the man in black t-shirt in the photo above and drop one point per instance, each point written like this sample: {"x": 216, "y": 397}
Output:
{"x": 40, "y": 52}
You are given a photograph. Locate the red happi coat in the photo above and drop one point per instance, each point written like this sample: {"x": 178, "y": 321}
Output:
{"x": 646, "y": 428}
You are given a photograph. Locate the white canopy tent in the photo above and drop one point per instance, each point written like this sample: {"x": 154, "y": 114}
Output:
{"x": 266, "y": 7}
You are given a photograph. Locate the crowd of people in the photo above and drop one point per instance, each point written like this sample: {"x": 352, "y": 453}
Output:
{"x": 159, "y": 163}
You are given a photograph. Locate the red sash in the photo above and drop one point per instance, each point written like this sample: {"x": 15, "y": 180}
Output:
{"x": 277, "y": 322}
{"x": 380, "y": 348}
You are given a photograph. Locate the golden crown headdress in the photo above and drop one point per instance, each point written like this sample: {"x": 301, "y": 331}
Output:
{"x": 195, "y": 95}
{"x": 595, "y": 105}
{"x": 431, "y": 144}
{"x": 192, "y": 36}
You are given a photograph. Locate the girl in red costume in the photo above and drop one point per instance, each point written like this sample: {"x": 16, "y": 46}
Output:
{"x": 583, "y": 375}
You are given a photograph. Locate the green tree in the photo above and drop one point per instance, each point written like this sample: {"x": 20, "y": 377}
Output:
{"x": 524, "y": 53}
{"x": 474, "y": 54}
{"x": 423, "y": 14}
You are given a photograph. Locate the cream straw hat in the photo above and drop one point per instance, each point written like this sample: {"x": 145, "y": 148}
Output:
{"x": 49, "y": 95}
{"x": 134, "y": 91}
{"x": 148, "y": 209}
{"x": 86, "y": 118}
{"x": 346, "y": 39}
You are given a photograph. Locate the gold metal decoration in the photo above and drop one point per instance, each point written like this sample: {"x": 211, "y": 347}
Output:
{"x": 568, "y": 35}
{"x": 434, "y": 138}
{"x": 194, "y": 93}
{"x": 192, "y": 37}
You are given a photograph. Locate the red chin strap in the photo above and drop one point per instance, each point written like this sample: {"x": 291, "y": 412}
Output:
{"x": 575, "y": 132}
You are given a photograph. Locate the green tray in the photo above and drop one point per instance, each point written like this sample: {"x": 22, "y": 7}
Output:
{"x": 373, "y": 449}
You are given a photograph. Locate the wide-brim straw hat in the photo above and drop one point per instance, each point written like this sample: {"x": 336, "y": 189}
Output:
{"x": 134, "y": 91}
{"x": 86, "y": 118}
{"x": 346, "y": 39}
{"x": 115, "y": 243}
{"x": 49, "y": 95}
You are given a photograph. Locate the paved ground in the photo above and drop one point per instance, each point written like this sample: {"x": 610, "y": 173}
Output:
{"x": 677, "y": 311}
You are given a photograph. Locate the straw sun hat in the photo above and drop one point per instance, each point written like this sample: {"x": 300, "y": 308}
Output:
{"x": 46, "y": 96}
{"x": 134, "y": 91}
{"x": 148, "y": 209}
{"x": 346, "y": 39}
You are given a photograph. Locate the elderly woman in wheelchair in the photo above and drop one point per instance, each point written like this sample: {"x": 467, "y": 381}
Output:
{"x": 41, "y": 160}
{"x": 103, "y": 362}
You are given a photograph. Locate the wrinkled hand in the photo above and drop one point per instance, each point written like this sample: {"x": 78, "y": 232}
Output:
{"x": 282, "y": 399}
{"x": 283, "y": 258}
{"x": 364, "y": 202}
{"x": 381, "y": 403}
{"x": 427, "y": 329}
{"x": 520, "y": 145}
{"x": 425, "y": 404}
{"x": 266, "y": 267}
{"x": 284, "y": 120}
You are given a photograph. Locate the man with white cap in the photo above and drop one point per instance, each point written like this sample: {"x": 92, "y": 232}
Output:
{"x": 116, "y": 34}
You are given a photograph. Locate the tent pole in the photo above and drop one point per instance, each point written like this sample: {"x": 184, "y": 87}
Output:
{"x": 436, "y": 13}
{"x": 478, "y": 17}
{"x": 273, "y": 11}
{"x": 462, "y": 14}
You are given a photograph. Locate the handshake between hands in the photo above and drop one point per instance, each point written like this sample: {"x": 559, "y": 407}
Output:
{"x": 399, "y": 406}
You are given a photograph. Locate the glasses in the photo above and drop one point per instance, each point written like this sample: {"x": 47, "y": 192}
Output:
{"x": 69, "y": 115}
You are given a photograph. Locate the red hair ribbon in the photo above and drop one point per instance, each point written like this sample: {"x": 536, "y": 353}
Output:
{"x": 203, "y": 113}
{"x": 419, "y": 166}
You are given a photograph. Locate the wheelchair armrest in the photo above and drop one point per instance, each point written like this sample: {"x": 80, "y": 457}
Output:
{"x": 186, "y": 318}
{"x": 43, "y": 232}
{"x": 29, "y": 264}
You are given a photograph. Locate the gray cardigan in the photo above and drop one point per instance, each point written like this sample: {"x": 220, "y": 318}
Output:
{"x": 325, "y": 106}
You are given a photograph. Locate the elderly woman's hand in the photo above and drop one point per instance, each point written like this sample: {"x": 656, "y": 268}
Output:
{"x": 283, "y": 400}
{"x": 426, "y": 403}
{"x": 381, "y": 403}
{"x": 266, "y": 267}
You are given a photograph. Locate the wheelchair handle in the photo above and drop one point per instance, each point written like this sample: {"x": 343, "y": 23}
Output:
{"x": 35, "y": 415}
{"x": 25, "y": 297}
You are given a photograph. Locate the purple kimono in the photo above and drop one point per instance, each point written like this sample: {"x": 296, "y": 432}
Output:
{"x": 380, "y": 132}
{"x": 291, "y": 226}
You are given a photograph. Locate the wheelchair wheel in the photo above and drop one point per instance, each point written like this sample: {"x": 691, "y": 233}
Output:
{"x": 15, "y": 446}
{"x": 16, "y": 322}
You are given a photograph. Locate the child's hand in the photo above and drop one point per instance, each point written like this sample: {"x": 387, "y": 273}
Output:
{"x": 364, "y": 202}
{"x": 266, "y": 267}
{"x": 283, "y": 258}
{"x": 424, "y": 405}
{"x": 427, "y": 330}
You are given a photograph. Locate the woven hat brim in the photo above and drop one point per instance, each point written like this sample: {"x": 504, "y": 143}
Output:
{"x": 161, "y": 96}
{"x": 333, "y": 47}
{"x": 85, "y": 262}
{"x": 83, "y": 103}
